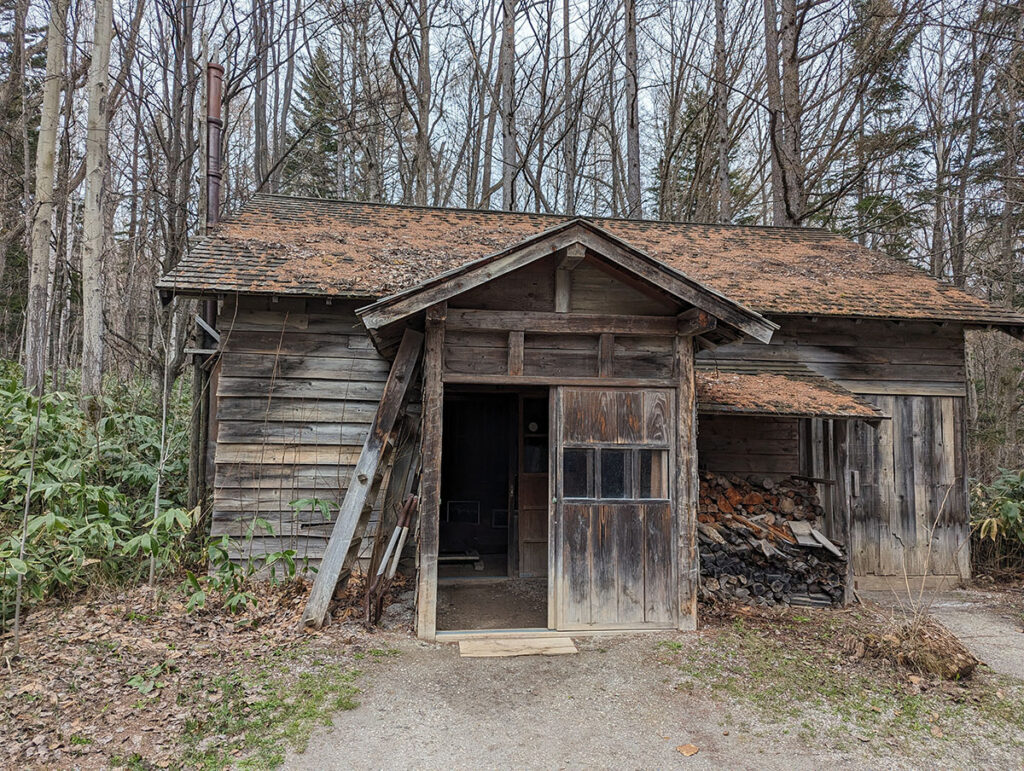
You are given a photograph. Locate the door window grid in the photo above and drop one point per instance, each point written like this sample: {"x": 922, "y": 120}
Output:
{"x": 619, "y": 473}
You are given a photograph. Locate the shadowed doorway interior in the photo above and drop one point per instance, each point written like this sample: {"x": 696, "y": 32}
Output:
{"x": 492, "y": 560}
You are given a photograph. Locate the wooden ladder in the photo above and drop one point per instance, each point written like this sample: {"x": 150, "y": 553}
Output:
{"x": 371, "y": 470}
{"x": 380, "y": 482}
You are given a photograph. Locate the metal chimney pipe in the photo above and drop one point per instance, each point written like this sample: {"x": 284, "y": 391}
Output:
{"x": 214, "y": 129}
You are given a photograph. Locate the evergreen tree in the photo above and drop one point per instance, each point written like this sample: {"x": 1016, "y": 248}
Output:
{"x": 311, "y": 167}
{"x": 886, "y": 152}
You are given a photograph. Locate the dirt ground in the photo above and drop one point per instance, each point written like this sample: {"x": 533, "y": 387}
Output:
{"x": 510, "y": 604}
{"x": 630, "y": 701}
{"x": 608, "y": 707}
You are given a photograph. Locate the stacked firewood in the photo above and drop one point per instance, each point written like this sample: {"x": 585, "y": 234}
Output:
{"x": 749, "y": 553}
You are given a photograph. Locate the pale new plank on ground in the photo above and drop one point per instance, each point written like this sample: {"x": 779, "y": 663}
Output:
{"x": 501, "y": 647}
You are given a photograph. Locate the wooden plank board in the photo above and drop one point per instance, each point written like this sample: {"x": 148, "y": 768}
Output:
{"x": 351, "y": 512}
{"x": 685, "y": 564}
{"x": 560, "y": 323}
{"x": 429, "y": 521}
{"x": 494, "y": 647}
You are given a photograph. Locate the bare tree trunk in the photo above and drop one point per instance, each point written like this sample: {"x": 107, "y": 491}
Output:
{"x": 36, "y": 313}
{"x": 941, "y": 160}
{"x": 793, "y": 167}
{"x": 94, "y": 221}
{"x": 633, "y": 204}
{"x": 571, "y": 119}
{"x": 775, "y": 118}
{"x": 722, "y": 118}
{"x": 422, "y": 159}
{"x": 506, "y": 69}
{"x": 341, "y": 122}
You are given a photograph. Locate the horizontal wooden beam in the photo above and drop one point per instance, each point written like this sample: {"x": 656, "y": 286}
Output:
{"x": 460, "y": 378}
{"x": 695, "y": 322}
{"x": 560, "y": 323}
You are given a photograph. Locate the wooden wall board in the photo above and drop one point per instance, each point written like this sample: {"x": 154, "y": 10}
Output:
{"x": 909, "y": 506}
{"x": 749, "y": 445}
{"x": 598, "y": 288}
{"x": 299, "y": 386}
{"x": 866, "y": 357}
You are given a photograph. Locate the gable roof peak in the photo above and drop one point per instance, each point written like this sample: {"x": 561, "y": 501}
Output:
{"x": 600, "y": 243}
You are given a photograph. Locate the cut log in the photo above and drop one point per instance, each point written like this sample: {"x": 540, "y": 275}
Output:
{"x": 758, "y": 544}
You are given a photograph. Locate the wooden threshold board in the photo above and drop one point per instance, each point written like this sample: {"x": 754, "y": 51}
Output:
{"x": 493, "y": 647}
{"x": 454, "y": 636}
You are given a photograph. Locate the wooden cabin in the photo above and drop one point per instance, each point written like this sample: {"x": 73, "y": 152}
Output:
{"x": 558, "y": 382}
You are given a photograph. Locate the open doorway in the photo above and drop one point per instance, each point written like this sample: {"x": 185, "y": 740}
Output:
{"x": 492, "y": 556}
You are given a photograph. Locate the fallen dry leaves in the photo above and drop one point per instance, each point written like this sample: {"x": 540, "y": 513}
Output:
{"x": 114, "y": 675}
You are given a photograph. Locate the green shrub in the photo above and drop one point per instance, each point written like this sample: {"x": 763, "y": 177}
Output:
{"x": 91, "y": 515}
{"x": 997, "y": 521}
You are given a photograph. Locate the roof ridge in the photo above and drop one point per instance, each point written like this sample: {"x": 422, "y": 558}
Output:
{"x": 545, "y": 215}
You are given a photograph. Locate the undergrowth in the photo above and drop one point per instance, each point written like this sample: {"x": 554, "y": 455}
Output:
{"x": 997, "y": 524}
{"x": 93, "y": 516}
{"x": 91, "y": 513}
{"x": 251, "y": 719}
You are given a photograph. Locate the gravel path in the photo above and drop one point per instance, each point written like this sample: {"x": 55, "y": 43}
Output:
{"x": 610, "y": 706}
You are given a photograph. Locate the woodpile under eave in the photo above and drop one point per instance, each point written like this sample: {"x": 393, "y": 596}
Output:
{"x": 759, "y": 544}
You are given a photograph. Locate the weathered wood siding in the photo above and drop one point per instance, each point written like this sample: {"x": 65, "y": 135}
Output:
{"x": 866, "y": 357}
{"x": 754, "y": 446}
{"x": 909, "y": 505}
{"x": 298, "y": 389}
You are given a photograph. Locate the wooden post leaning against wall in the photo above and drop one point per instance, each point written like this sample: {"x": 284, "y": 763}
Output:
{"x": 687, "y": 486}
{"x": 430, "y": 481}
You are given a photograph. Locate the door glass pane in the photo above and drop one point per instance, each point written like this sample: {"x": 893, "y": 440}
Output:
{"x": 535, "y": 416}
{"x": 615, "y": 468}
{"x": 577, "y": 473}
{"x": 535, "y": 455}
{"x": 653, "y": 482}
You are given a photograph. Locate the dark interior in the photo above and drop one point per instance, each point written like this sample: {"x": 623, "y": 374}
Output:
{"x": 493, "y": 536}
{"x": 478, "y": 454}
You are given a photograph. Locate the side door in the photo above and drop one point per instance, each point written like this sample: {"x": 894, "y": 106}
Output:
{"x": 613, "y": 561}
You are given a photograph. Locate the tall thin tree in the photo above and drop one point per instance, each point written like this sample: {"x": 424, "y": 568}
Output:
{"x": 93, "y": 216}
{"x": 633, "y": 203}
{"x": 36, "y": 342}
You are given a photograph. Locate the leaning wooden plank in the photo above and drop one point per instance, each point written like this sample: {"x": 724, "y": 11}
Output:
{"x": 802, "y": 531}
{"x": 359, "y": 487}
{"x": 820, "y": 537}
{"x": 529, "y": 646}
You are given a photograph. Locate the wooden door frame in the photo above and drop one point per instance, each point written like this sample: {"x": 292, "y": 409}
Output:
{"x": 685, "y": 487}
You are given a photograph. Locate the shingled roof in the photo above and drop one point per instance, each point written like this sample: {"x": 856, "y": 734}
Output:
{"x": 787, "y": 389}
{"x": 299, "y": 246}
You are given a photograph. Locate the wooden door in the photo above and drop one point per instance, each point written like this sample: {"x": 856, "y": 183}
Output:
{"x": 614, "y": 564}
{"x": 533, "y": 486}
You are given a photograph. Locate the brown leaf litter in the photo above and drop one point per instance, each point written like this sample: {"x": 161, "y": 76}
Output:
{"x": 114, "y": 675}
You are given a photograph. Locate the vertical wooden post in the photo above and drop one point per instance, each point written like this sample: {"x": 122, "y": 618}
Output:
{"x": 430, "y": 483}
{"x": 606, "y": 355}
{"x": 515, "y": 352}
{"x": 843, "y": 503}
{"x": 687, "y": 485}
{"x": 556, "y": 587}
